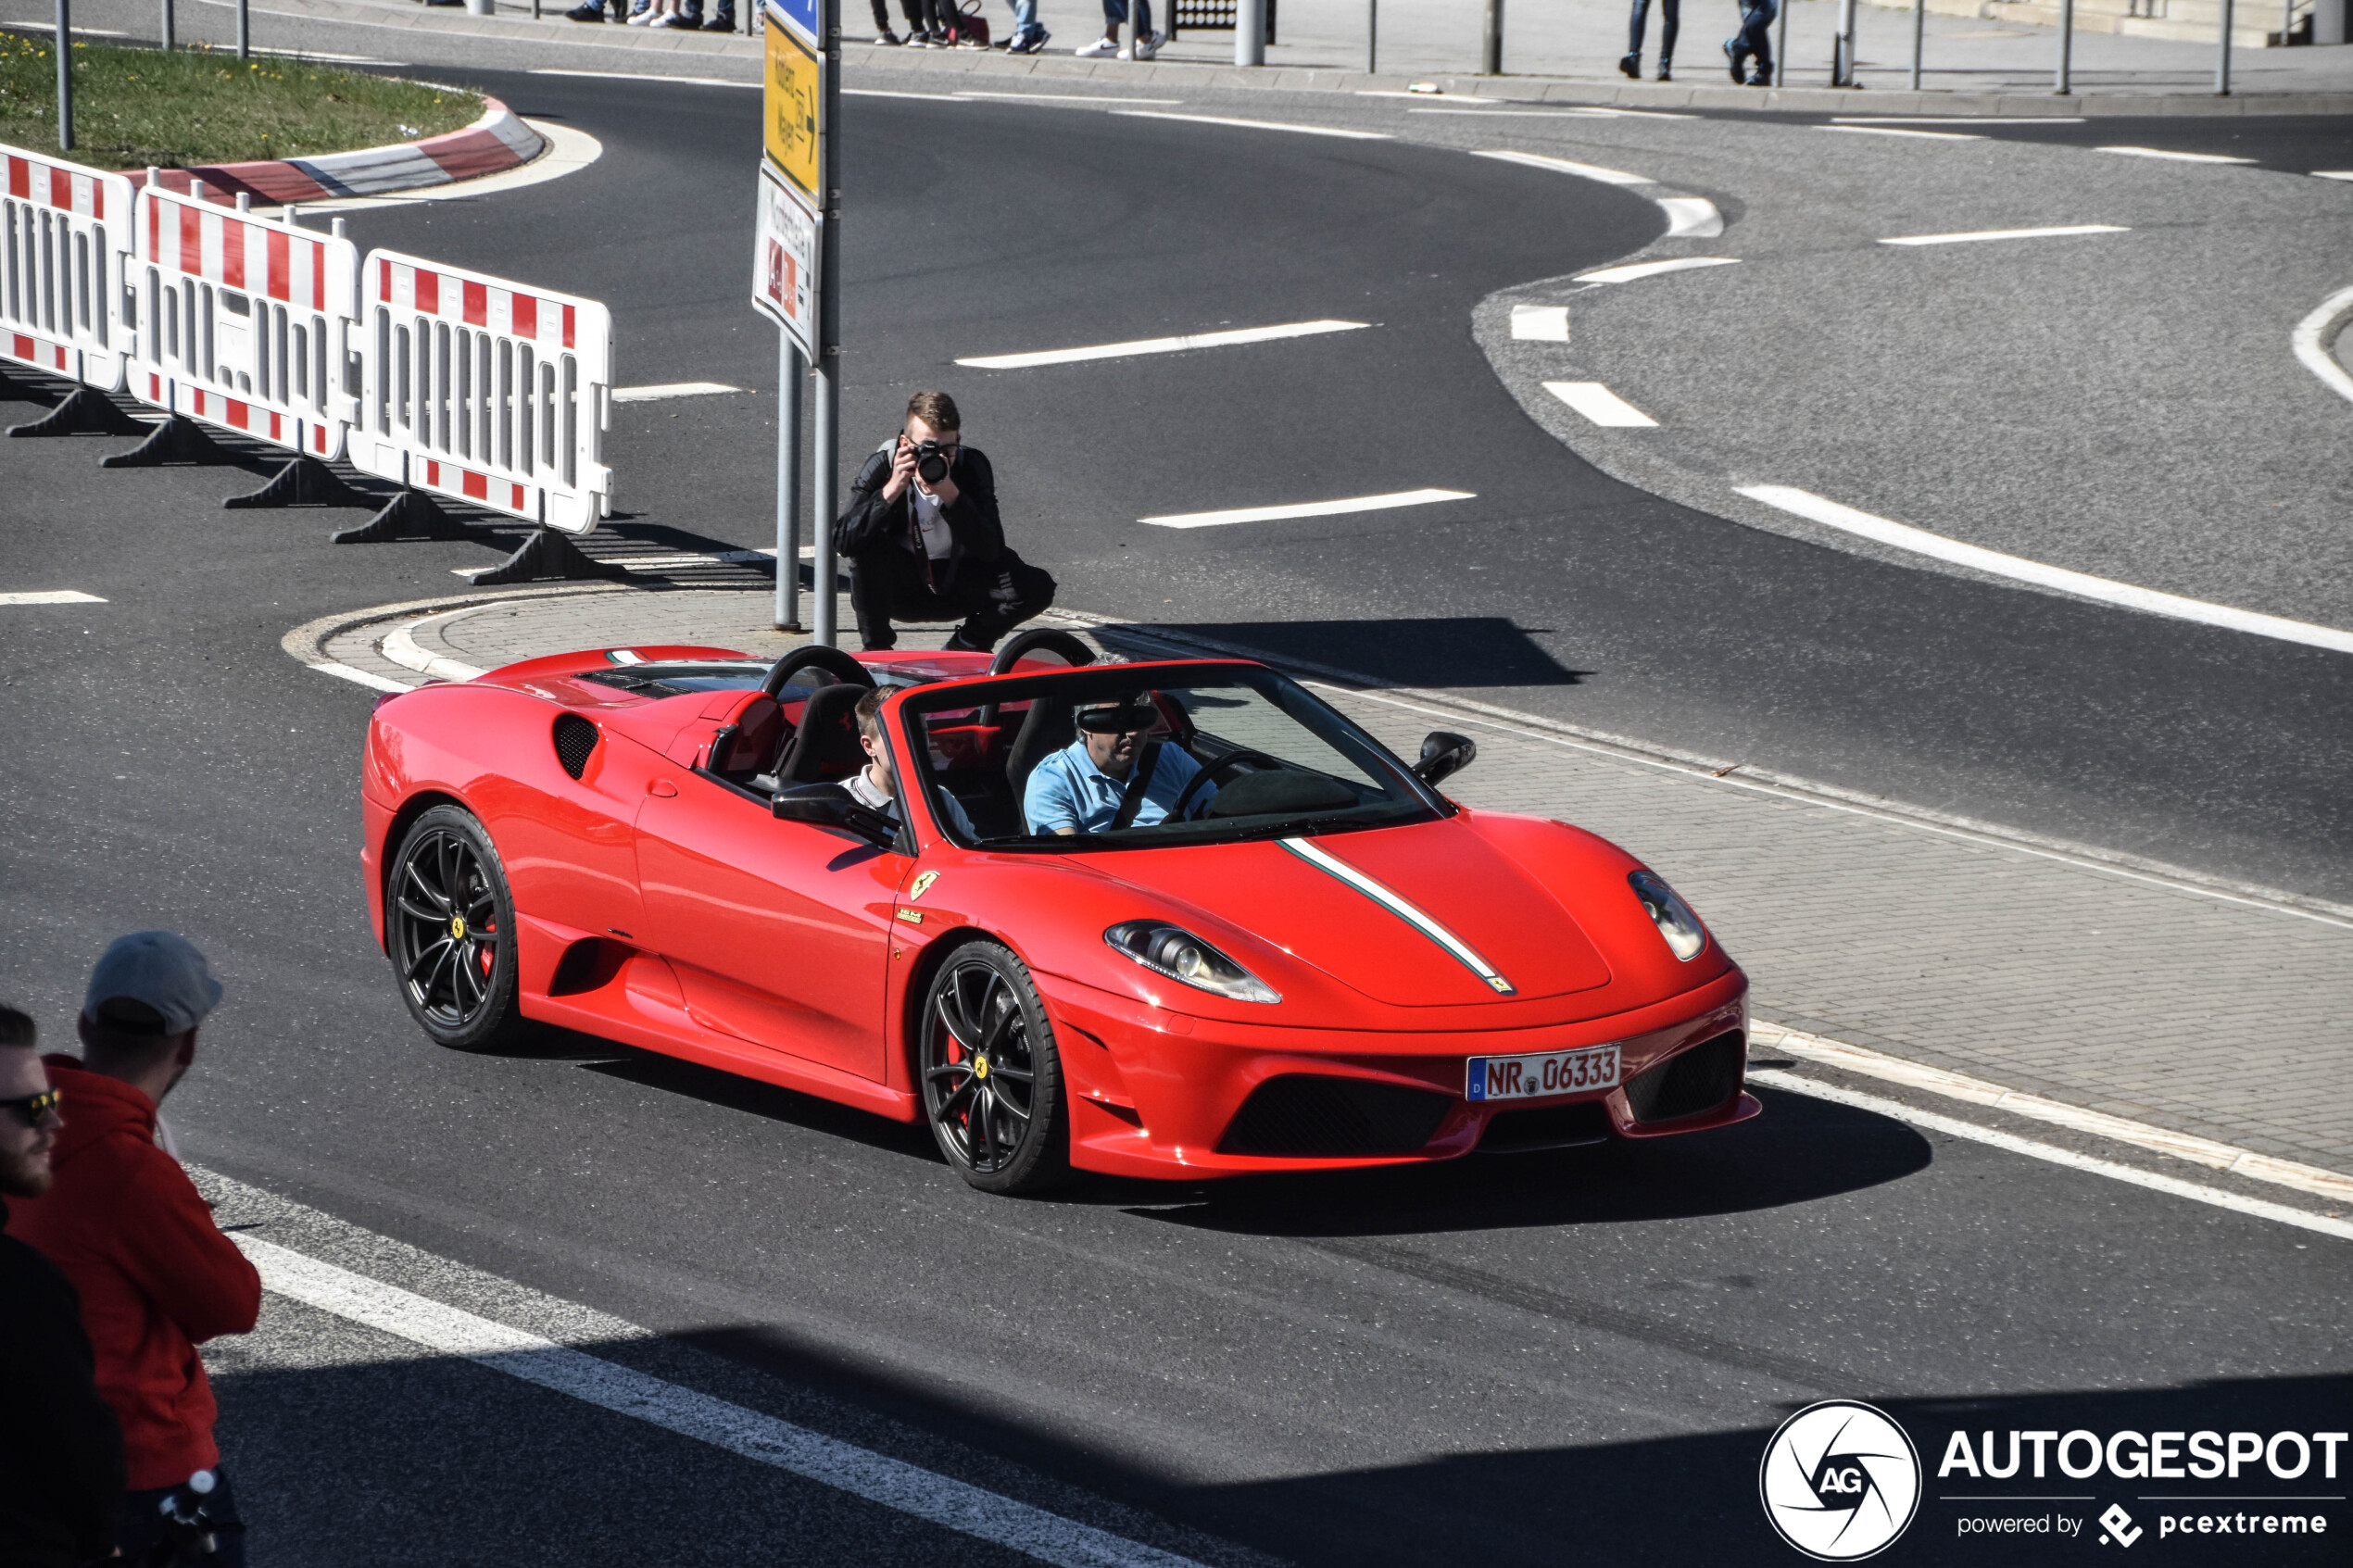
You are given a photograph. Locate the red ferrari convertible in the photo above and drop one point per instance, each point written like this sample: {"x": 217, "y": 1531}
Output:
{"x": 1265, "y": 943}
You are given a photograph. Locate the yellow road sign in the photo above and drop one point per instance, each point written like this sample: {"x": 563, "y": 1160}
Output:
{"x": 794, "y": 99}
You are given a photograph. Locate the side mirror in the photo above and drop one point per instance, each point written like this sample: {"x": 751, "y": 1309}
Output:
{"x": 830, "y": 806}
{"x": 1443, "y": 755}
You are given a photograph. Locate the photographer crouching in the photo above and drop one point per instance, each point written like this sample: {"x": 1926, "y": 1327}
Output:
{"x": 924, "y": 540}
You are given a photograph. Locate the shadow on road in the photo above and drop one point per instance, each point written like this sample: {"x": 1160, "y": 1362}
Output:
{"x": 1434, "y": 651}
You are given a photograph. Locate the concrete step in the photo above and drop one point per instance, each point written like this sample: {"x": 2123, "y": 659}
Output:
{"x": 2186, "y": 21}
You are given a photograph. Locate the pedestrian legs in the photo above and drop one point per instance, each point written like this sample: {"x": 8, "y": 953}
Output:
{"x": 1754, "y": 38}
{"x": 1670, "y": 23}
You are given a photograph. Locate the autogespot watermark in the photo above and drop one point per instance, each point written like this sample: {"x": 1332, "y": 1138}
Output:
{"x": 1841, "y": 1481}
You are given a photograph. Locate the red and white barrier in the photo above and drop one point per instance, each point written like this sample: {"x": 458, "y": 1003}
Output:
{"x": 65, "y": 229}
{"x": 486, "y": 390}
{"x": 247, "y": 321}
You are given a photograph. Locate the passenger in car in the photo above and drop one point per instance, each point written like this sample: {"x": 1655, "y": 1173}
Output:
{"x": 876, "y": 785}
{"x": 1110, "y": 776}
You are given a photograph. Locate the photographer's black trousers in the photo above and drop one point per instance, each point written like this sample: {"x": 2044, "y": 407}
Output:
{"x": 990, "y": 600}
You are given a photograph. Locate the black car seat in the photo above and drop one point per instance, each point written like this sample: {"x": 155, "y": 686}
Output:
{"x": 1049, "y": 726}
{"x": 825, "y": 749}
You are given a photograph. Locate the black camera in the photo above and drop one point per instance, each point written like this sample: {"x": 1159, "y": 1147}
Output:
{"x": 932, "y": 460}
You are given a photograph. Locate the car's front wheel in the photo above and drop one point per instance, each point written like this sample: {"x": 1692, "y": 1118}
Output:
{"x": 449, "y": 925}
{"x": 992, "y": 1080}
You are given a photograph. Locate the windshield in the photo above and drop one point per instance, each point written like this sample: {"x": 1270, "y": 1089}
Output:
{"x": 1133, "y": 757}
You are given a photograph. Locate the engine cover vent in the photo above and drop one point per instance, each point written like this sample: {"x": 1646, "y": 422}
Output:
{"x": 575, "y": 738}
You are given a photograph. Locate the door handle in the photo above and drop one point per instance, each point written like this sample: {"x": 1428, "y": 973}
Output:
{"x": 663, "y": 787}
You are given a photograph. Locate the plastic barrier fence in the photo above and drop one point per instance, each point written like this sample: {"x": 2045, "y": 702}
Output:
{"x": 247, "y": 321}
{"x": 486, "y": 390}
{"x": 65, "y": 229}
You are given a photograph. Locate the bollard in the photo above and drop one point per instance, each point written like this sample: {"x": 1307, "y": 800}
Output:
{"x": 1842, "y": 46}
{"x": 2067, "y": 47}
{"x": 1919, "y": 31}
{"x": 2221, "y": 60}
{"x": 166, "y": 26}
{"x": 1372, "y": 35}
{"x": 1250, "y": 32}
{"x": 244, "y": 32}
{"x": 1491, "y": 43}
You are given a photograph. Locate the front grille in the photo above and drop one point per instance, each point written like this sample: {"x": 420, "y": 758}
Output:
{"x": 575, "y": 738}
{"x": 1691, "y": 1083}
{"x": 1551, "y": 1126}
{"x": 1307, "y": 1115}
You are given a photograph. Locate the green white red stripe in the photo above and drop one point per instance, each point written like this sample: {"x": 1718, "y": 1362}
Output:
{"x": 1419, "y": 920}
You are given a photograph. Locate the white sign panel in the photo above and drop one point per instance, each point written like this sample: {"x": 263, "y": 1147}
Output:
{"x": 784, "y": 279}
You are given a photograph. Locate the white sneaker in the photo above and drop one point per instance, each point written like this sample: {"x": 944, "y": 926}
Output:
{"x": 643, "y": 19}
{"x": 1147, "y": 47}
{"x": 673, "y": 20}
{"x": 1098, "y": 49}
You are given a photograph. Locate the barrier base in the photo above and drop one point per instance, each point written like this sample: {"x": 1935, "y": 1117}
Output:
{"x": 86, "y": 411}
{"x": 306, "y": 482}
{"x": 549, "y": 555}
{"x": 411, "y": 514}
{"x": 178, "y": 440}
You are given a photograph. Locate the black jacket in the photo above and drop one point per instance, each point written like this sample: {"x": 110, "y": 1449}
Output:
{"x": 871, "y": 523}
{"x": 61, "y": 1451}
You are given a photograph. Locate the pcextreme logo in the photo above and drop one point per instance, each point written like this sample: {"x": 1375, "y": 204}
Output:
{"x": 1841, "y": 1481}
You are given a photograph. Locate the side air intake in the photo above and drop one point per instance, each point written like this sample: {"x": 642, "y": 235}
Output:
{"x": 1305, "y": 1115}
{"x": 575, "y": 738}
{"x": 1691, "y": 1083}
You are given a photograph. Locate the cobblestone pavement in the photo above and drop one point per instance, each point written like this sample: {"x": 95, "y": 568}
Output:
{"x": 2230, "y": 1019}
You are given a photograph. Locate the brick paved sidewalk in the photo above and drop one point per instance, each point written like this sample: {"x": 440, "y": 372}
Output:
{"x": 2226, "y": 1019}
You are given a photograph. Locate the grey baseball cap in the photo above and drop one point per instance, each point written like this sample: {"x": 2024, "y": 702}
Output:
{"x": 151, "y": 982}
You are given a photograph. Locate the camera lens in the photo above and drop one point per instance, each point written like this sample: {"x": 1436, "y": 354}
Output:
{"x": 931, "y": 462}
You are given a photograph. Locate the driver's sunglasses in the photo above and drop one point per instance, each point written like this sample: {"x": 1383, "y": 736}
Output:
{"x": 36, "y": 1108}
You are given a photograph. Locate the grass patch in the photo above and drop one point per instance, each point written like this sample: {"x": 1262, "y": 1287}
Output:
{"x": 133, "y": 108}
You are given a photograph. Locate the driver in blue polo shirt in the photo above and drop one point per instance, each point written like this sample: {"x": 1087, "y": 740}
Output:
{"x": 1081, "y": 787}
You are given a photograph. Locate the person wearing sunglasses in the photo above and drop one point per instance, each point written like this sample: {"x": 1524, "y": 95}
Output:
{"x": 61, "y": 1451}
{"x": 131, "y": 1231}
{"x": 1114, "y": 775}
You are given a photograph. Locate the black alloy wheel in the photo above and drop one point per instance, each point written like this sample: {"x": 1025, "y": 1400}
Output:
{"x": 450, "y": 928}
{"x": 992, "y": 1080}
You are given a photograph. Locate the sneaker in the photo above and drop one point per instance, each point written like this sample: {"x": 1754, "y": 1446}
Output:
{"x": 594, "y": 13}
{"x": 957, "y": 643}
{"x": 1762, "y": 79}
{"x": 720, "y": 24}
{"x": 1665, "y": 72}
{"x": 641, "y": 18}
{"x": 1147, "y": 47}
{"x": 1739, "y": 59}
{"x": 887, "y": 36}
{"x": 1098, "y": 49}
{"x": 674, "y": 20}
{"x": 1631, "y": 65}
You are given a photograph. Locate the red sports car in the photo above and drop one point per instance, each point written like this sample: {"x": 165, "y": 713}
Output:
{"x": 1165, "y": 920}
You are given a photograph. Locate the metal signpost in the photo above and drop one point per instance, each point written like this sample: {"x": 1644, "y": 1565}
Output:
{"x": 2067, "y": 47}
{"x": 64, "y": 76}
{"x": 1491, "y": 42}
{"x": 793, "y": 281}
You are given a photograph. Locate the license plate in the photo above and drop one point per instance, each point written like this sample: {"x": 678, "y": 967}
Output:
{"x": 1553, "y": 1073}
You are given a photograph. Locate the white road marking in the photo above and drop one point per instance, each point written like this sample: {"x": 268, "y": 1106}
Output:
{"x": 1955, "y": 120}
{"x": 1632, "y": 270}
{"x": 2310, "y": 340}
{"x": 659, "y": 563}
{"x": 1540, "y": 323}
{"x": 1308, "y": 508}
{"x": 1161, "y": 345}
{"x": 2007, "y": 234}
{"x": 1258, "y": 124}
{"x": 885, "y": 93}
{"x": 1898, "y": 130}
{"x": 752, "y": 1435}
{"x": 1559, "y": 114}
{"x": 670, "y": 389}
{"x": 1806, "y": 504}
{"x": 52, "y": 596}
{"x": 402, "y": 649}
{"x": 2333, "y": 174}
{"x": 1563, "y": 166}
{"x": 1977, "y": 1091}
{"x": 1955, "y": 1128}
{"x": 2177, "y": 158}
{"x": 1690, "y": 218}
{"x": 655, "y": 76}
{"x": 1599, "y": 403}
{"x": 360, "y": 677}
{"x": 1059, "y": 97}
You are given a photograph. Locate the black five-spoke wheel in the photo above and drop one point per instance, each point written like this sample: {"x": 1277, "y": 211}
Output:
{"x": 992, "y": 1082}
{"x": 448, "y": 925}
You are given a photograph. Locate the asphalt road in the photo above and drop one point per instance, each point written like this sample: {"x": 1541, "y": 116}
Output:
{"x": 1511, "y": 1360}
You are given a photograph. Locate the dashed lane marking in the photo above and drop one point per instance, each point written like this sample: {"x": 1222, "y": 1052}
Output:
{"x": 652, "y": 76}
{"x": 1599, "y": 403}
{"x": 1540, "y": 323}
{"x": 52, "y": 596}
{"x": 1902, "y": 537}
{"x": 1955, "y": 120}
{"x": 1627, "y": 274}
{"x": 2177, "y": 158}
{"x": 670, "y": 389}
{"x": 749, "y": 1434}
{"x": 1900, "y": 131}
{"x": 1977, "y": 235}
{"x": 1161, "y": 345}
{"x": 1258, "y": 124}
{"x": 1558, "y": 114}
{"x": 1566, "y": 166}
{"x": 1954, "y": 1126}
{"x": 2333, "y": 174}
{"x": 1059, "y": 97}
{"x": 1308, "y": 508}
{"x": 362, "y": 678}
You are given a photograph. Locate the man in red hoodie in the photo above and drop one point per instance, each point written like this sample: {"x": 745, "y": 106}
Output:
{"x": 128, "y": 1227}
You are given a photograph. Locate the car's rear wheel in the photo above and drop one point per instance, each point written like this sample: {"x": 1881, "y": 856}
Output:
{"x": 992, "y": 1080}
{"x": 449, "y": 926}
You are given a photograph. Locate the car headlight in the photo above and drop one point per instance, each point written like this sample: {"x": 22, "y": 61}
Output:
{"x": 1178, "y": 954}
{"x": 1685, "y": 935}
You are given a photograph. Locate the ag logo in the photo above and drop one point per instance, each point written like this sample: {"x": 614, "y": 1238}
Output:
{"x": 1840, "y": 1481}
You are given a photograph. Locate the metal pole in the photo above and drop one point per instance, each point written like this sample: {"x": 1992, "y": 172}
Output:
{"x": 1491, "y": 42}
{"x": 245, "y": 33}
{"x": 2067, "y": 47}
{"x": 64, "y": 76}
{"x": 1131, "y": 29}
{"x": 1842, "y": 46}
{"x": 1919, "y": 31}
{"x": 826, "y": 461}
{"x": 787, "y": 484}
{"x": 2221, "y": 60}
{"x": 2287, "y": 22}
{"x": 1372, "y": 35}
{"x": 1250, "y": 32}
{"x": 1780, "y": 42}
{"x": 166, "y": 24}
